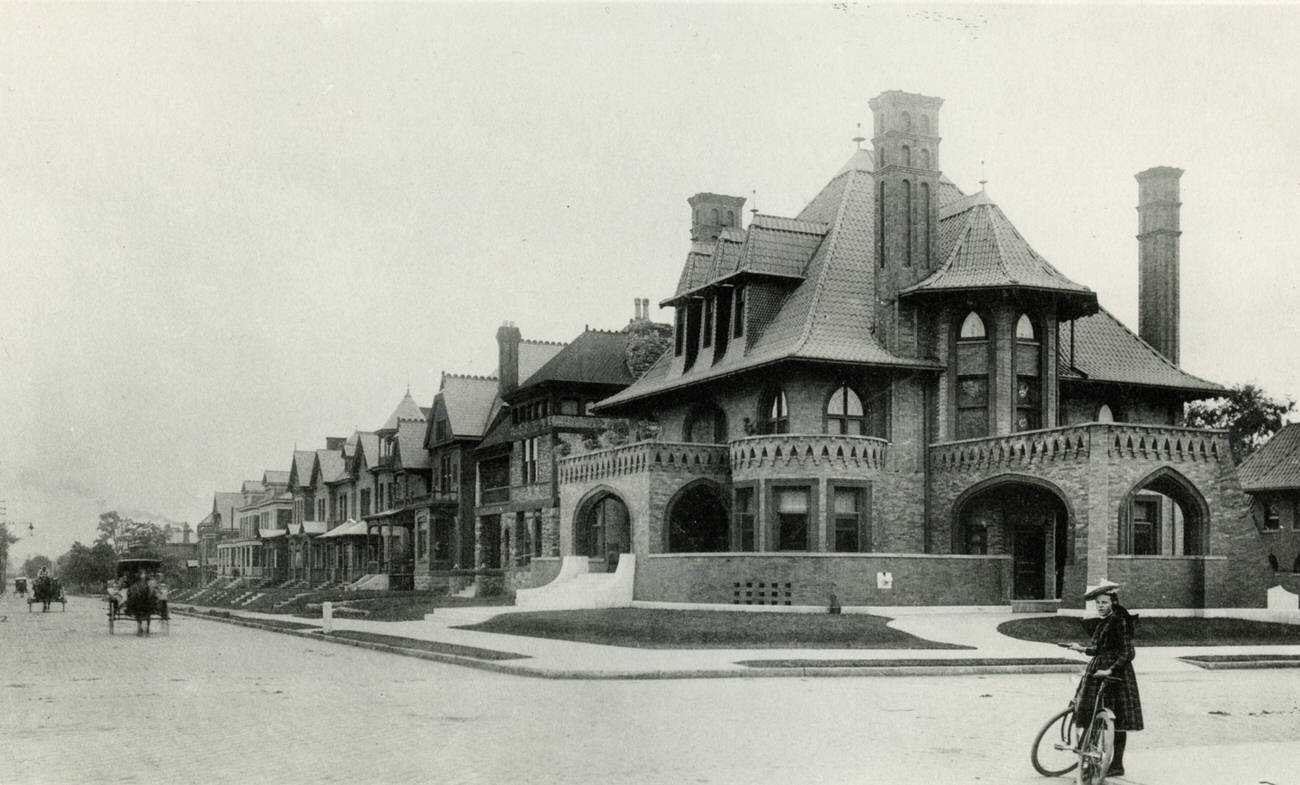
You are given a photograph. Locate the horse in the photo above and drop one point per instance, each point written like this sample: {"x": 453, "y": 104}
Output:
{"x": 45, "y": 591}
{"x": 141, "y": 603}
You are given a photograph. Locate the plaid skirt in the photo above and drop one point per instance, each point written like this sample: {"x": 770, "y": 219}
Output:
{"x": 1122, "y": 698}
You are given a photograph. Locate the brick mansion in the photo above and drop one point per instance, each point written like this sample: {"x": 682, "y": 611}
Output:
{"x": 887, "y": 399}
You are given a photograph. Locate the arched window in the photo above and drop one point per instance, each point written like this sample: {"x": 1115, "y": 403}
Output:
{"x": 907, "y": 156}
{"x": 1272, "y": 562}
{"x": 1029, "y": 412}
{"x": 972, "y": 372}
{"x": 925, "y": 124}
{"x": 1295, "y": 568}
{"x": 731, "y": 218}
{"x": 776, "y": 415}
{"x": 972, "y": 328}
{"x": 925, "y": 158}
{"x": 907, "y": 121}
{"x": 907, "y": 222}
{"x": 844, "y": 413}
{"x": 715, "y": 216}
{"x": 1104, "y": 414}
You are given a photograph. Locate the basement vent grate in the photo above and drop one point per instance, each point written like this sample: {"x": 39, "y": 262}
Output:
{"x": 761, "y": 593}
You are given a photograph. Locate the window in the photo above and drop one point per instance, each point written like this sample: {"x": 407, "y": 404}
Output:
{"x": 849, "y": 516}
{"x": 776, "y": 416}
{"x": 880, "y": 217}
{"x": 445, "y": 481}
{"x": 907, "y": 223}
{"x": 441, "y": 431}
{"x": 844, "y": 413}
{"x": 1272, "y": 562}
{"x": 1146, "y": 527}
{"x": 1028, "y": 387}
{"x": 744, "y": 516}
{"x": 570, "y": 406}
{"x": 925, "y": 124}
{"x": 421, "y": 543}
{"x": 740, "y": 312}
{"x": 535, "y": 533}
{"x": 792, "y": 515}
{"x": 715, "y": 216}
{"x": 907, "y": 156}
{"x": 972, "y": 392}
{"x": 1272, "y": 520}
{"x": 530, "y": 460}
{"x": 679, "y": 332}
{"x": 1104, "y": 414}
{"x": 925, "y": 218}
{"x": 907, "y": 121}
{"x": 731, "y": 218}
{"x": 707, "y": 337}
{"x": 925, "y": 159}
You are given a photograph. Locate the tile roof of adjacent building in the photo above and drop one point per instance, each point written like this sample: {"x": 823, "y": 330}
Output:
{"x": 367, "y": 449}
{"x": 409, "y": 448}
{"x": 252, "y": 486}
{"x": 534, "y": 354}
{"x": 468, "y": 402}
{"x": 407, "y": 410}
{"x": 1100, "y": 348}
{"x": 1275, "y": 465}
{"x": 988, "y": 253}
{"x": 275, "y": 477}
{"x": 594, "y": 357}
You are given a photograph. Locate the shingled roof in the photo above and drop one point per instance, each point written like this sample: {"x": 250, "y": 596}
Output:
{"x": 988, "y": 253}
{"x": 468, "y": 401}
{"x": 772, "y": 246}
{"x": 594, "y": 357}
{"x": 410, "y": 445}
{"x": 407, "y": 411}
{"x": 534, "y": 354}
{"x": 1100, "y": 348}
{"x": 330, "y": 464}
{"x": 300, "y": 469}
{"x": 1274, "y": 466}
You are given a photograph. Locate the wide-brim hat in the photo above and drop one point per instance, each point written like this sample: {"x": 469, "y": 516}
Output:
{"x": 1105, "y": 587}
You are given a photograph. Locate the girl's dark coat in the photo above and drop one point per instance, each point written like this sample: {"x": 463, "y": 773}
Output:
{"x": 1112, "y": 647}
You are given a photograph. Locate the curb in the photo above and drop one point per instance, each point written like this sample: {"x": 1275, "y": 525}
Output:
{"x": 639, "y": 675}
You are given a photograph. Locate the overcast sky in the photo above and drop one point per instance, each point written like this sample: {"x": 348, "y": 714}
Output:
{"x": 226, "y": 230}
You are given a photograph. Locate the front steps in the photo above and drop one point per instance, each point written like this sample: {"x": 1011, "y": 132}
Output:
{"x": 575, "y": 588}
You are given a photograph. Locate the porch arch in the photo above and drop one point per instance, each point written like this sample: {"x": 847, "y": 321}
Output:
{"x": 698, "y": 519}
{"x": 1173, "y": 484}
{"x": 1025, "y": 517}
{"x": 602, "y": 524}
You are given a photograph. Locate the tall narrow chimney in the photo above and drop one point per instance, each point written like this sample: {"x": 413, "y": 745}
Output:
{"x": 508, "y": 338}
{"x": 1158, "y": 232}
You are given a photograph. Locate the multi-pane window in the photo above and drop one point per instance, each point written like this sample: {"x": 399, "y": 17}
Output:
{"x": 1028, "y": 389}
{"x": 792, "y": 514}
{"x": 848, "y": 520}
{"x": 421, "y": 543}
{"x": 445, "y": 479}
{"x": 365, "y": 501}
{"x": 1272, "y": 519}
{"x": 441, "y": 430}
{"x": 972, "y": 379}
{"x": 1146, "y": 527}
{"x": 744, "y": 515}
{"x": 776, "y": 414}
{"x": 530, "y": 460}
{"x": 844, "y": 413}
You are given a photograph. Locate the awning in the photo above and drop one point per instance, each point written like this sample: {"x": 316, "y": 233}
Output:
{"x": 313, "y": 527}
{"x": 270, "y": 534}
{"x": 348, "y": 528}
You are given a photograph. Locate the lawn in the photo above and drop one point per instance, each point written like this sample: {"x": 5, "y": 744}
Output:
{"x": 1162, "y": 631}
{"x": 665, "y": 629}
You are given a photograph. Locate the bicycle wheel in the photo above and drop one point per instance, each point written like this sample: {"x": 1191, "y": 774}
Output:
{"x": 1096, "y": 749}
{"x": 1047, "y": 759}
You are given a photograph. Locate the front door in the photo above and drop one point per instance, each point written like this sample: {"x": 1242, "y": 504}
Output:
{"x": 1029, "y": 548}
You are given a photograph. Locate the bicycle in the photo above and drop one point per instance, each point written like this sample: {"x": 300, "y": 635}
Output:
{"x": 1086, "y": 751}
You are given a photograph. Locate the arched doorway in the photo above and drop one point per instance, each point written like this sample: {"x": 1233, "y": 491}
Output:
{"x": 1163, "y": 515}
{"x": 698, "y": 521}
{"x": 1024, "y": 520}
{"x": 604, "y": 529}
{"x": 706, "y": 424}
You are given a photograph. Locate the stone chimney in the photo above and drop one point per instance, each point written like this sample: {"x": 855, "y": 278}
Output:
{"x": 1158, "y": 232}
{"x": 508, "y": 338}
{"x": 335, "y": 442}
{"x": 711, "y": 213}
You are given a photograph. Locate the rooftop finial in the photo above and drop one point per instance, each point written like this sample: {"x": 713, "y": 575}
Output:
{"x": 754, "y": 210}
{"x": 983, "y": 181}
{"x": 859, "y": 139}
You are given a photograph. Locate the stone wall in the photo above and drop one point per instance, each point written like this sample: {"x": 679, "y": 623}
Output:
{"x": 810, "y": 579}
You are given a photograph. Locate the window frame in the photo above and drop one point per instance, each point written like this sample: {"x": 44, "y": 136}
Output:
{"x": 988, "y": 340}
{"x": 745, "y": 521}
{"x": 779, "y": 424}
{"x": 862, "y": 522}
{"x": 774, "y": 523}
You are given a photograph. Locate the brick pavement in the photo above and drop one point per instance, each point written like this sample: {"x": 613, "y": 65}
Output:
{"x": 225, "y": 704}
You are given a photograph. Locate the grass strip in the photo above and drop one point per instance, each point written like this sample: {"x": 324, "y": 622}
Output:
{"x": 907, "y": 663}
{"x": 1214, "y": 661}
{"x": 650, "y": 628}
{"x": 1161, "y": 631}
{"x": 430, "y": 646}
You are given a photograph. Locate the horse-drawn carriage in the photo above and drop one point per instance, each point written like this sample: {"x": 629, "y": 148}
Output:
{"x": 20, "y": 587}
{"x": 138, "y": 594}
{"x": 46, "y": 590}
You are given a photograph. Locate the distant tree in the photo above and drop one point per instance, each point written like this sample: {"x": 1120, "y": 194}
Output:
{"x": 34, "y": 564}
{"x": 88, "y": 567}
{"x": 111, "y": 530}
{"x": 1247, "y": 413}
{"x": 125, "y": 534}
{"x": 6, "y": 539}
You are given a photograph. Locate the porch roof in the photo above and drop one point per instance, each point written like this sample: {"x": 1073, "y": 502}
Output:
{"x": 347, "y": 529}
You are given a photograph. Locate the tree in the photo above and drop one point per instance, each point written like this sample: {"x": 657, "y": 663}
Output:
{"x": 34, "y": 564}
{"x": 1247, "y": 413}
{"x": 88, "y": 567}
{"x": 6, "y": 539}
{"x": 124, "y": 534}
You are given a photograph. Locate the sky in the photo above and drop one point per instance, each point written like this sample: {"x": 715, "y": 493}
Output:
{"x": 230, "y": 230}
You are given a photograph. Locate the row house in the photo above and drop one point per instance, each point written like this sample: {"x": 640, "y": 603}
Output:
{"x": 218, "y": 526}
{"x": 1271, "y": 475}
{"x": 255, "y": 549}
{"x": 542, "y": 418}
{"x": 397, "y": 512}
{"x": 890, "y": 398}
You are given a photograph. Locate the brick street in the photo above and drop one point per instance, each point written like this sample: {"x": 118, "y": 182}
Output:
{"x": 216, "y": 703}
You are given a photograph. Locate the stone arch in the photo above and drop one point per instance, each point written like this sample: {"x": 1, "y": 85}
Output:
{"x": 1029, "y": 516}
{"x": 706, "y": 423}
{"x": 602, "y": 524}
{"x": 697, "y": 519}
{"x": 1172, "y": 484}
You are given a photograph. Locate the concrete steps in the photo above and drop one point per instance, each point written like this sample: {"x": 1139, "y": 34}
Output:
{"x": 575, "y": 588}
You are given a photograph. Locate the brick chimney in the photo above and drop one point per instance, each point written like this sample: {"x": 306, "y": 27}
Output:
{"x": 1158, "y": 232}
{"x": 508, "y": 338}
{"x": 711, "y": 213}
